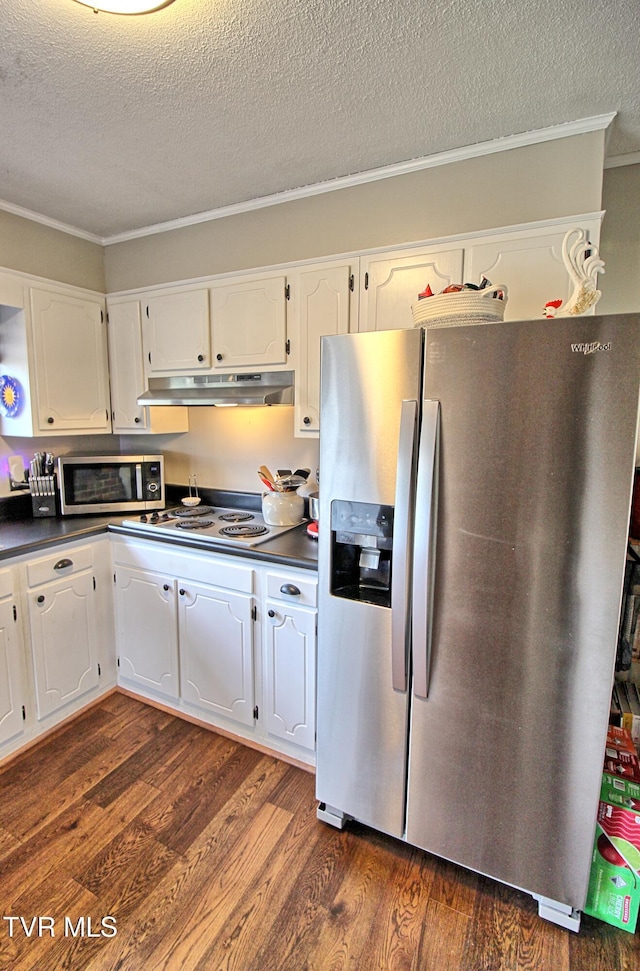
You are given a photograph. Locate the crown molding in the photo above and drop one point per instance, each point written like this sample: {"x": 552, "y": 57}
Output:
{"x": 616, "y": 161}
{"x": 506, "y": 143}
{"x": 37, "y": 217}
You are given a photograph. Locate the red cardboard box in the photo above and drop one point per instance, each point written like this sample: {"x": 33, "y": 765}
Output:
{"x": 621, "y": 760}
{"x": 620, "y": 739}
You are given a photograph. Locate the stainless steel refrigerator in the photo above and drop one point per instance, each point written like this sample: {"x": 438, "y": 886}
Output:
{"x": 475, "y": 494}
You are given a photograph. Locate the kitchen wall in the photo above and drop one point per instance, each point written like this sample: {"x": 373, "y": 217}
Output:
{"x": 43, "y": 251}
{"x": 541, "y": 181}
{"x": 50, "y": 253}
{"x": 554, "y": 178}
{"x": 224, "y": 447}
{"x": 620, "y": 241}
{"x": 25, "y": 447}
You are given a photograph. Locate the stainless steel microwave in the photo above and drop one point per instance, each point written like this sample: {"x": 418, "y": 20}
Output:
{"x": 110, "y": 483}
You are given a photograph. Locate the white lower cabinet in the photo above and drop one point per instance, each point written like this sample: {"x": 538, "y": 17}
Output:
{"x": 185, "y": 629}
{"x": 56, "y": 638}
{"x": 290, "y": 636}
{"x": 216, "y": 650}
{"x": 63, "y": 625}
{"x": 12, "y": 696}
{"x": 146, "y": 631}
{"x": 227, "y": 640}
{"x": 290, "y": 673}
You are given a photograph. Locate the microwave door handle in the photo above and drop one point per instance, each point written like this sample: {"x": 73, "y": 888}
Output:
{"x": 139, "y": 481}
{"x": 401, "y": 562}
{"x": 424, "y": 546}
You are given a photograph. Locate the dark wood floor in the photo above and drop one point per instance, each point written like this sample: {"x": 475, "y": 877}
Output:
{"x": 209, "y": 857}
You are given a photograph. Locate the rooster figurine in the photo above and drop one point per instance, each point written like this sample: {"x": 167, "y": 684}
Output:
{"x": 583, "y": 265}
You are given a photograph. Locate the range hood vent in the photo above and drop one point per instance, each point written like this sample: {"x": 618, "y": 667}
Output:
{"x": 255, "y": 388}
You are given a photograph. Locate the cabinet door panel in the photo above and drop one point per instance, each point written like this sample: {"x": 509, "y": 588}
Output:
{"x": 127, "y": 369}
{"x": 11, "y": 694}
{"x": 322, "y": 308}
{"x": 62, "y": 619}
{"x": 216, "y": 650}
{"x": 146, "y": 630}
{"x": 176, "y": 331}
{"x": 529, "y": 264}
{"x": 291, "y": 673}
{"x": 70, "y": 343}
{"x": 393, "y": 281}
{"x": 128, "y": 380}
{"x": 249, "y": 323}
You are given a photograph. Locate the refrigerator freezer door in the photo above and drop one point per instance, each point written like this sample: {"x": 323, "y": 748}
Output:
{"x": 362, "y": 720}
{"x": 538, "y": 423}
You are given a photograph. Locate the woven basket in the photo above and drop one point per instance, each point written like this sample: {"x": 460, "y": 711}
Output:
{"x": 460, "y": 307}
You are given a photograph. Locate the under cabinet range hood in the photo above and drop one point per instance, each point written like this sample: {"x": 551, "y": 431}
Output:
{"x": 254, "y": 388}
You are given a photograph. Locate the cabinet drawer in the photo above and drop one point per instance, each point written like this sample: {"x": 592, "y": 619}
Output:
{"x": 278, "y": 584}
{"x": 218, "y": 571}
{"x": 227, "y": 572}
{"x": 60, "y": 564}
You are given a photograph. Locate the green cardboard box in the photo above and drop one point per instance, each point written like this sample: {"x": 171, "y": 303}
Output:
{"x": 614, "y": 883}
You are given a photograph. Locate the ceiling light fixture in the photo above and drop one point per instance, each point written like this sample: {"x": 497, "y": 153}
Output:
{"x": 125, "y": 6}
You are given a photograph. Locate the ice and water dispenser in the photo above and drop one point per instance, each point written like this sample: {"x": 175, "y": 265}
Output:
{"x": 361, "y": 548}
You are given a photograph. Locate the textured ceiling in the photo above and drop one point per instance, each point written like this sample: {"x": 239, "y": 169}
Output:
{"x": 113, "y": 123}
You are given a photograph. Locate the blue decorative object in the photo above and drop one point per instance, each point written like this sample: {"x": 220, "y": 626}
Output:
{"x": 10, "y": 396}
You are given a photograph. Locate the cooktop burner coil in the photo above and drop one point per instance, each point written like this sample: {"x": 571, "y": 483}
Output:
{"x": 235, "y": 517}
{"x": 194, "y": 523}
{"x": 193, "y": 512}
{"x": 243, "y": 530}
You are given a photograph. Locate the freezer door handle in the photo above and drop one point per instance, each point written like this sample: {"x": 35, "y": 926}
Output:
{"x": 424, "y": 544}
{"x": 402, "y": 547}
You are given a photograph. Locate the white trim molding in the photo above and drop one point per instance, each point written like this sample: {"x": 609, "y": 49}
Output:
{"x": 37, "y": 217}
{"x": 504, "y": 144}
{"x": 616, "y": 161}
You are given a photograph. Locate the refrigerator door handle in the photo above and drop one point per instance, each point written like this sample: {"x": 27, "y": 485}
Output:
{"x": 401, "y": 563}
{"x": 424, "y": 543}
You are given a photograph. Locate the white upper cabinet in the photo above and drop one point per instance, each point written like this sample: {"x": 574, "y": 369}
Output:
{"x": 53, "y": 343}
{"x": 249, "y": 322}
{"x": 11, "y": 291}
{"x": 70, "y": 349}
{"x": 176, "y": 331}
{"x": 126, "y": 370}
{"x": 127, "y": 376}
{"x": 529, "y": 263}
{"x": 323, "y": 302}
{"x": 390, "y": 282}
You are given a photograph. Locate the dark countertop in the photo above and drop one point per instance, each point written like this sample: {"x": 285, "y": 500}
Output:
{"x": 20, "y": 533}
{"x": 28, "y": 535}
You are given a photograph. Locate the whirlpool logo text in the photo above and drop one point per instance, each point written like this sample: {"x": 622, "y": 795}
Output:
{"x": 590, "y": 348}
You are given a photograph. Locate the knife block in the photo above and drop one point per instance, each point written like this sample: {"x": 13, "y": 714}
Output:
{"x": 44, "y": 495}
